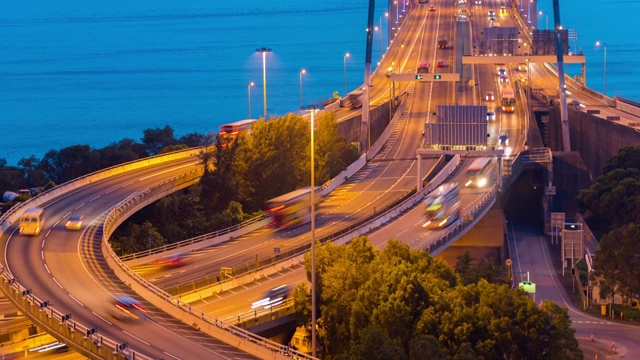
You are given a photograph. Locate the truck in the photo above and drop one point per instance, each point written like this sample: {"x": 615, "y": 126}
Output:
{"x": 352, "y": 100}
{"x": 443, "y": 43}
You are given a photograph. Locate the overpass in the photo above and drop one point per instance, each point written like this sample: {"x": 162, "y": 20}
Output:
{"x": 135, "y": 198}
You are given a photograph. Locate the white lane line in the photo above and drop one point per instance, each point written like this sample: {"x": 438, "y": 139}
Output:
{"x": 48, "y": 232}
{"x": 81, "y": 304}
{"x": 43, "y": 240}
{"x": 67, "y": 214}
{"x": 54, "y": 279}
{"x": 95, "y": 198}
{"x": 135, "y": 337}
{"x": 103, "y": 319}
{"x": 164, "y": 172}
{"x": 171, "y": 355}
{"x": 42, "y": 254}
{"x": 46, "y": 267}
{"x": 79, "y": 206}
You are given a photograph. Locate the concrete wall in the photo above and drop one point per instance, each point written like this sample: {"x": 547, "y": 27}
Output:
{"x": 594, "y": 138}
{"x": 379, "y": 117}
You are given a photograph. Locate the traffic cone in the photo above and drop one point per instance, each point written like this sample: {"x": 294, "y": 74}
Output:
{"x": 613, "y": 347}
{"x": 591, "y": 338}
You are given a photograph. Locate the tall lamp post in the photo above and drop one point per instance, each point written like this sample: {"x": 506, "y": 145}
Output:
{"x": 381, "y": 32}
{"x": 598, "y": 43}
{"x": 264, "y": 52}
{"x": 303, "y": 71}
{"x": 249, "y": 101}
{"x": 546, "y": 16}
{"x": 313, "y": 109}
{"x": 346, "y": 55}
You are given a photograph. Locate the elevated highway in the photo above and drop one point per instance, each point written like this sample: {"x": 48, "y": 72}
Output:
{"x": 62, "y": 268}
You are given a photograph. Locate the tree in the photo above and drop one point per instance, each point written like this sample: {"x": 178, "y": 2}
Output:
{"x": 614, "y": 196}
{"x": 158, "y": 138}
{"x": 617, "y": 263}
{"x": 400, "y": 302}
{"x": 627, "y": 158}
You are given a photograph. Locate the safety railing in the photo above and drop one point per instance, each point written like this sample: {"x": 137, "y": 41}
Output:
{"x": 88, "y": 341}
{"x": 457, "y": 228}
{"x": 222, "y": 330}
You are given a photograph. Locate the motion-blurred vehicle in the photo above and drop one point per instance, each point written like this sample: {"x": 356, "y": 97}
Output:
{"x": 390, "y": 71}
{"x": 503, "y": 140}
{"x": 423, "y": 68}
{"x": 491, "y": 13}
{"x": 522, "y": 67}
{"x": 502, "y": 72}
{"x": 503, "y": 9}
{"x": 273, "y": 297}
{"x": 172, "y": 261}
{"x": 504, "y": 79}
{"x": 489, "y": 96}
{"x": 440, "y": 63}
{"x": 432, "y": 8}
{"x": 127, "y": 308}
{"x": 74, "y": 222}
{"x": 491, "y": 116}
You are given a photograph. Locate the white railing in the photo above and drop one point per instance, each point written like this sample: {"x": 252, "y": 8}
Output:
{"x": 222, "y": 330}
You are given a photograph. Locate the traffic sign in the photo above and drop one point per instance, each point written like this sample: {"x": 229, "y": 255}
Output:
{"x": 437, "y": 77}
{"x": 418, "y": 77}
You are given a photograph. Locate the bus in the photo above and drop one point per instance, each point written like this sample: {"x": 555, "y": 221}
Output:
{"x": 442, "y": 206}
{"x": 32, "y": 221}
{"x": 508, "y": 100}
{"x": 479, "y": 173}
{"x": 229, "y": 132}
{"x": 291, "y": 209}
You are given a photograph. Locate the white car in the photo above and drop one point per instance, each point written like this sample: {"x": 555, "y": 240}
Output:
{"x": 491, "y": 116}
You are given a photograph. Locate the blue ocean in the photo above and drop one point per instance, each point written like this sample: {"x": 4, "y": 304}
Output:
{"x": 95, "y": 72}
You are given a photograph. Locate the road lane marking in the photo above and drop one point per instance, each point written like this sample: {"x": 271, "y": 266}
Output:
{"x": 135, "y": 337}
{"x": 171, "y": 355}
{"x": 56, "y": 281}
{"x": 81, "y": 304}
{"x": 103, "y": 319}
{"x": 46, "y": 267}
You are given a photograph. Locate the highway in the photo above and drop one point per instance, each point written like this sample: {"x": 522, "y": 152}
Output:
{"x": 57, "y": 267}
{"x": 65, "y": 267}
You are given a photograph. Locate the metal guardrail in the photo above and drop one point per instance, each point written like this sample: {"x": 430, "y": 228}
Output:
{"x": 459, "y": 226}
{"x": 78, "y": 336}
{"x": 120, "y": 212}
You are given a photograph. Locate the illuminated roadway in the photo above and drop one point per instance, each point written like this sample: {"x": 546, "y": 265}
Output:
{"x": 86, "y": 294}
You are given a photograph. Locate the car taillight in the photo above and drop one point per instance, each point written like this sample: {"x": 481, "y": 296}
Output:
{"x": 137, "y": 306}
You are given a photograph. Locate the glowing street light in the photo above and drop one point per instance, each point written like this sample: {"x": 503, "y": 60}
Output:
{"x": 264, "y": 52}
{"x": 303, "y": 71}
{"x": 249, "y": 102}
{"x": 346, "y": 55}
{"x": 313, "y": 109}
{"x": 546, "y": 18}
{"x": 598, "y": 43}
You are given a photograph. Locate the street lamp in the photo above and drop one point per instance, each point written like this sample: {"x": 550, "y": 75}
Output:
{"x": 313, "y": 109}
{"x": 264, "y": 52}
{"x": 598, "y": 43}
{"x": 303, "y": 71}
{"x": 249, "y": 102}
{"x": 346, "y": 55}
{"x": 546, "y": 16}
{"x": 396, "y": 2}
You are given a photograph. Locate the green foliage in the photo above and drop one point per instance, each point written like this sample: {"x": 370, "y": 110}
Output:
{"x": 614, "y": 196}
{"x": 617, "y": 263}
{"x": 486, "y": 269}
{"x": 626, "y": 158}
{"x": 138, "y": 238}
{"x": 404, "y": 304}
